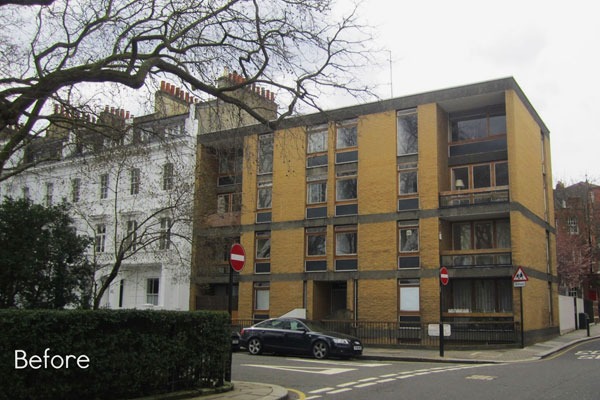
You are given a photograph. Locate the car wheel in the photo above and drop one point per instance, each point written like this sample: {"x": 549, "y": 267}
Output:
{"x": 255, "y": 346}
{"x": 320, "y": 349}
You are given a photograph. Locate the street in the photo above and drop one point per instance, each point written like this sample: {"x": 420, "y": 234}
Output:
{"x": 572, "y": 373}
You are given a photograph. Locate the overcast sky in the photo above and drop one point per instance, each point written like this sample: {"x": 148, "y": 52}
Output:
{"x": 551, "y": 48}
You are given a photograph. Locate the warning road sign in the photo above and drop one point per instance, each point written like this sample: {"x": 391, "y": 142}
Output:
{"x": 519, "y": 278}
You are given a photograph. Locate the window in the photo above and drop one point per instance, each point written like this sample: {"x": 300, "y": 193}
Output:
{"x": 104, "y": 186}
{"x": 408, "y": 237}
{"x": 316, "y": 192}
{"x": 407, "y": 179}
{"x": 229, "y": 202}
{"x": 479, "y": 125}
{"x": 265, "y": 154}
{"x": 346, "y": 240}
{"x": 134, "y": 181}
{"x": 49, "y": 193}
{"x": 167, "y": 182}
{"x": 164, "y": 240}
{"x": 480, "y": 176}
{"x": 75, "y": 190}
{"x": 100, "y": 238}
{"x": 263, "y": 245}
{"x": 152, "y": 286}
{"x": 25, "y": 192}
{"x": 261, "y": 296}
{"x": 316, "y": 241}
{"x": 230, "y": 167}
{"x": 407, "y": 138}
{"x": 481, "y": 235}
{"x": 316, "y": 139}
{"x": 478, "y": 295}
{"x": 346, "y": 186}
{"x": 346, "y": 134}
{"x": 408, "y": 298}
{"x": 130, "y": 242}
{"x": 265, "y": 193}
{"x": 573, "y": 225}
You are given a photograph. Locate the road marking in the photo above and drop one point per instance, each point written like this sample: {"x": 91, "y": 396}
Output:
{"x": 386, "y": 380}
{"x": 367, "y": 379}
{"x": 317, "y": 391}
{"x": 339, "y": 391}
{"x": 307, "y": 370}
{"x": 312, "y": 397}
{"x": 387, "y": 375}
{"x": 301, "y": 395}
{"x": 351, "y": 364}
{"x": 366, "y": 384}
{"x": 347, "y": 384}
{"x": 481, "y": 377}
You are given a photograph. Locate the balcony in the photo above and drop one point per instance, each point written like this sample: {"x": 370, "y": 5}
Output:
{"x": 472, "y": 197}
{"x": 476, "y": 258}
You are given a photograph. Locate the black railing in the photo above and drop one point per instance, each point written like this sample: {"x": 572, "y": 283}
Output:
{"x": 417, "y": 334}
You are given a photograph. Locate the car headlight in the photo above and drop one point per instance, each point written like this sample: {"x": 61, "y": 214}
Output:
{"x": 341, "y": 341}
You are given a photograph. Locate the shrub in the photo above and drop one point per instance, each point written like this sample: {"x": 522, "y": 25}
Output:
{"x": 132, "y": 353}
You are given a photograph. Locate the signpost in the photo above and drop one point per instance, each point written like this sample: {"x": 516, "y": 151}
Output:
{"x": 444, "y": 279}
{"x": 237, "y": 260}
{"x": 520, "y": 279}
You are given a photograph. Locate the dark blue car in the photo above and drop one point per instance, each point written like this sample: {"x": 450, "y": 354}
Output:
{"x": 298, "y": 336}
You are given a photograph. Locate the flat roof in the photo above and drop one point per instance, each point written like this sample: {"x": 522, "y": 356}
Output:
{"x": 452, "y": 99}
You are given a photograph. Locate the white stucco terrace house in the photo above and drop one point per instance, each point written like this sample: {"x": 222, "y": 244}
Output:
{"x": 130, "y": 183}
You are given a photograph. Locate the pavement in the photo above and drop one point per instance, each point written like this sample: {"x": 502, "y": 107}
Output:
{"x": 258, "y": 391}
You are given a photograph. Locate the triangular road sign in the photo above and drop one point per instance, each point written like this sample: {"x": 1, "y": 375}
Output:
{"x": 520, "y": 276}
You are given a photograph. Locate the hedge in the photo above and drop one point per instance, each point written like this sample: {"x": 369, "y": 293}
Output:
{"x": 131, "y": 353}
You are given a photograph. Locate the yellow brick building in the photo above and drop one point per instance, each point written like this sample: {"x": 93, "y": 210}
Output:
{"x": 350, "y": 213}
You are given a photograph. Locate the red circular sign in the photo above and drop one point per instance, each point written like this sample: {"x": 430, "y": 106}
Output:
{"x": 444, "y": 278}
{"x": 237, "y": 257}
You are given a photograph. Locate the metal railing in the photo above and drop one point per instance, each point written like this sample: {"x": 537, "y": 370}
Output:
{"x": 454, "y": 199}
{"x": 386, "y": 333}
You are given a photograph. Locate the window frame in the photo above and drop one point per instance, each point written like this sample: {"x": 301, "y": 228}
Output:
{"x": 472, "y": 234}
{"x": 265, "y": 154}
{"x": 486, "y": 115}
{"x": 345, "y": 230}
{"x": 258, "y": 238}
{"x": 322, "y": 193}
{"x": 168, "y": 176}
{"x": 402, "y": 114}
{"x": 104, "y": 182}
{"x": 164, "y": 239}
{"x": 134, "y": 181}
{"x": 315, "y": 232}
{"x": 152, "y": 291}
{"x": 100, "y": 238}
{"x": 469, "y": 182}
{"x": 342, "y": 126}
{"x": 75, "y": 190}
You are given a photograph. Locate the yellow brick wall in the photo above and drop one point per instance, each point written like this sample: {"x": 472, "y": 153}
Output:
{"x": 377, "y": 300}
{"x": 377, "y": 163}
{"x": 429, "y": 149}
{"x": 377, "y": 244}
{"x": 289, "y": 176}
{"x": 249, "y": 180}
{"x": 285, "y": 296}
{"x": 524, "y": 156}
{"x": 287, "y": 251}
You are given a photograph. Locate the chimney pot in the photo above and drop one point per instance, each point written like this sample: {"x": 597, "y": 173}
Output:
{"x": 162, "y": 85}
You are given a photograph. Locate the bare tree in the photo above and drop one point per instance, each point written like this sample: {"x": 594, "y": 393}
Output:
{"x": 67, "y": 47}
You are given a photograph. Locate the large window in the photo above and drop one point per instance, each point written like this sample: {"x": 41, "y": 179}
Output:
{"x": 49, "y": 193}
{"x": 164, "y": 239}
{"x": 481, "y": 235}
{"x": 408, "y": 235}
{"x": 265, "y": 154}
{"x": 480, "y": 176}
{"x": 478, "y": 125}
{"x": 408, "y": 296}
{"x": 75, "y": 190}
{"x": 346, "y": 186}
{"x": 316, "y": 242}
{"x": 100, "y": 238}
{"x": 407, "y": 132}
{"x": 265, "y": 193}
{"x": 130, "y": 241}
{"x": 152, "y": 286}
{"x": 316, "y": 192}
{"x": 104, "y": 186}
{"x": 479, "y": 295}
{"x": 134, "y": 181}
{"x": 263, "y": 245}
{"x": 229, "y": 202}
{"x": 407, "y": 179}
{"x": 316, "y": 139}
{"x": 346, "y": 134}
{"x": 167, "y": 182}
{"x": 261, "y": 297}
{"x": 346, "y": 241}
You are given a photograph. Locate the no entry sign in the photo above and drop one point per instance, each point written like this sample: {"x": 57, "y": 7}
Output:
{"x": 237, "y": 257}
{"x": 444, "y": 278}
